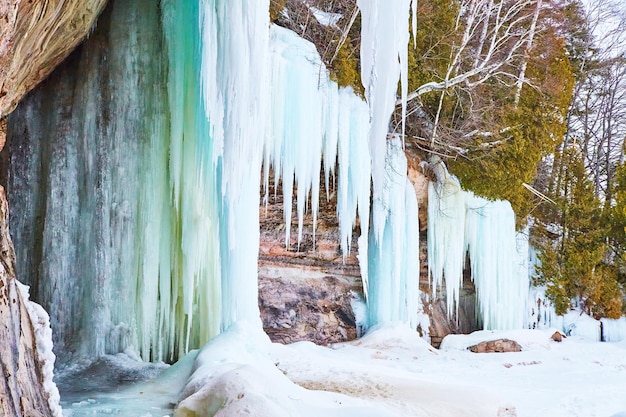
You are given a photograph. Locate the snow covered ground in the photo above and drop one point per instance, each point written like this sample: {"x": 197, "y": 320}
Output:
{"x": 389, "y": 372}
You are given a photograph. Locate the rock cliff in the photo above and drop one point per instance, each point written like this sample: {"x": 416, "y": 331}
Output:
{"x": 36, "y": 36}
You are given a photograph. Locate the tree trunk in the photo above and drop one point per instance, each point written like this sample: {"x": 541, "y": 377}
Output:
{"x": 22, "y": 392}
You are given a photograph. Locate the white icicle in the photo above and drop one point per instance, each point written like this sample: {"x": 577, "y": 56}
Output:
{"x": 461, "y": 223}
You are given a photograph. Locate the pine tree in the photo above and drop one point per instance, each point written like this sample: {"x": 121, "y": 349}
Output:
{"x": 571, "y": 238}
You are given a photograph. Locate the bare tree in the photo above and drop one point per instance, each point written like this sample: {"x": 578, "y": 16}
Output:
{"x": 597, "y": 117}
{"x": 493, "y": 47}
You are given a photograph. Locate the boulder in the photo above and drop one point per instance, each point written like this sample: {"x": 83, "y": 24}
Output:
{"x": 558, "y": 336}
{"x": 499, "y": 346}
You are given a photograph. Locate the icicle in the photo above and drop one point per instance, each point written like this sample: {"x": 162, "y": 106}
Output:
{"x": 394, "y": 260}
{"x": 446, "y": 249}
{"x": 460, "y": 223}
{"x": 312, "y": 118}
{"x": 384, "y": 43}
{"x": 234, "y": 60}
{"x": 498, "y": 257}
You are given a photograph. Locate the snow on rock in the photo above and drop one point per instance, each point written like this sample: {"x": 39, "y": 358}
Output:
{"x": 325, "y": 18}
{"x": 528, "y": 339}
{"x": 234, "y": 374}
{"x": 396, "y": 335}
{"x": 43, "y": 337}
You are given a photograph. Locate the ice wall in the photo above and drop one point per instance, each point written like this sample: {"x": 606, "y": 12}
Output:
{"x": 138, "y": 186}
{"x": 314, "y": 122}
{"x": 461, "y": 224}
{"x": 87, "y": 180}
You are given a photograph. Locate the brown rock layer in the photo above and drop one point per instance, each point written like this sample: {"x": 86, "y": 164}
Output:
{"x": 21, "y": 388}
{"x": 306, "y": 290}
{"x": 36, "y": 36}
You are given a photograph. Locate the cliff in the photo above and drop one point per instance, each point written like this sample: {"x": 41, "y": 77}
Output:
{"x": 36, "y": 36}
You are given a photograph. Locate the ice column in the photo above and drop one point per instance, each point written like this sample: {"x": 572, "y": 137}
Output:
{"x": 235, "y": 40}
{"x": 384, "y": 42}
{"x": 393, "y": 293}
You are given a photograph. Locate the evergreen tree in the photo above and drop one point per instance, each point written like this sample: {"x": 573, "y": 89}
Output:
{"x": 571, "y": 238}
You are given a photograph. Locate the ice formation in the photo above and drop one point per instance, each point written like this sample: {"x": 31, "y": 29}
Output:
{"x": 613, "y": 330}
{"x": 576, "y": 323}
{"x": 141, "y": 230}
{"x": 393, "y": 292}
{"x": 462, "y": 225}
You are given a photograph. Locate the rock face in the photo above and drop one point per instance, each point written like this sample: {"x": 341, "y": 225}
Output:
{"x": 306, "y": 291}
{"x": 300, "y": 302}
{"x": 35, "y": 36}
{"x": 22, "y": 392}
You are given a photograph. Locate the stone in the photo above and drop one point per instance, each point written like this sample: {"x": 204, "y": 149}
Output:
{"x": 496, "y": 346}
{"x": 35, "y": 37}
{"x": 300, "y": 303}
{"x": 23, "y": 393}
{"x": 558, "y": 336}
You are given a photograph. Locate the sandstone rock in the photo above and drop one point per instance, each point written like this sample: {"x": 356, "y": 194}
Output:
{"x": 499, "y": 346}
{"x": 22, "y": 394}
{"x": 558, "y": 336}
{"x": 3, "y": 133}
{"x": 36, "y": 36}
{"x": 306, "y": 303}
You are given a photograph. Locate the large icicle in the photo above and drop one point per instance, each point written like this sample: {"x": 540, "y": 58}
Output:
{"x": 384, "y": 43}
{"x": 235, "y": 41}
{"x": 393, "y": 260}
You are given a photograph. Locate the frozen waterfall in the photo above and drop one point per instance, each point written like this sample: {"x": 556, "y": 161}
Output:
{"x": 136, "y": 173}
{"x": 139, "y": 197}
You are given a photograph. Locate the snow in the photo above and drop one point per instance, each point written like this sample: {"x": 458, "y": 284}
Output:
{"x": 325, "y": 18}
{"x": 389, "y": 372}
{"x": 576, "y": 323}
